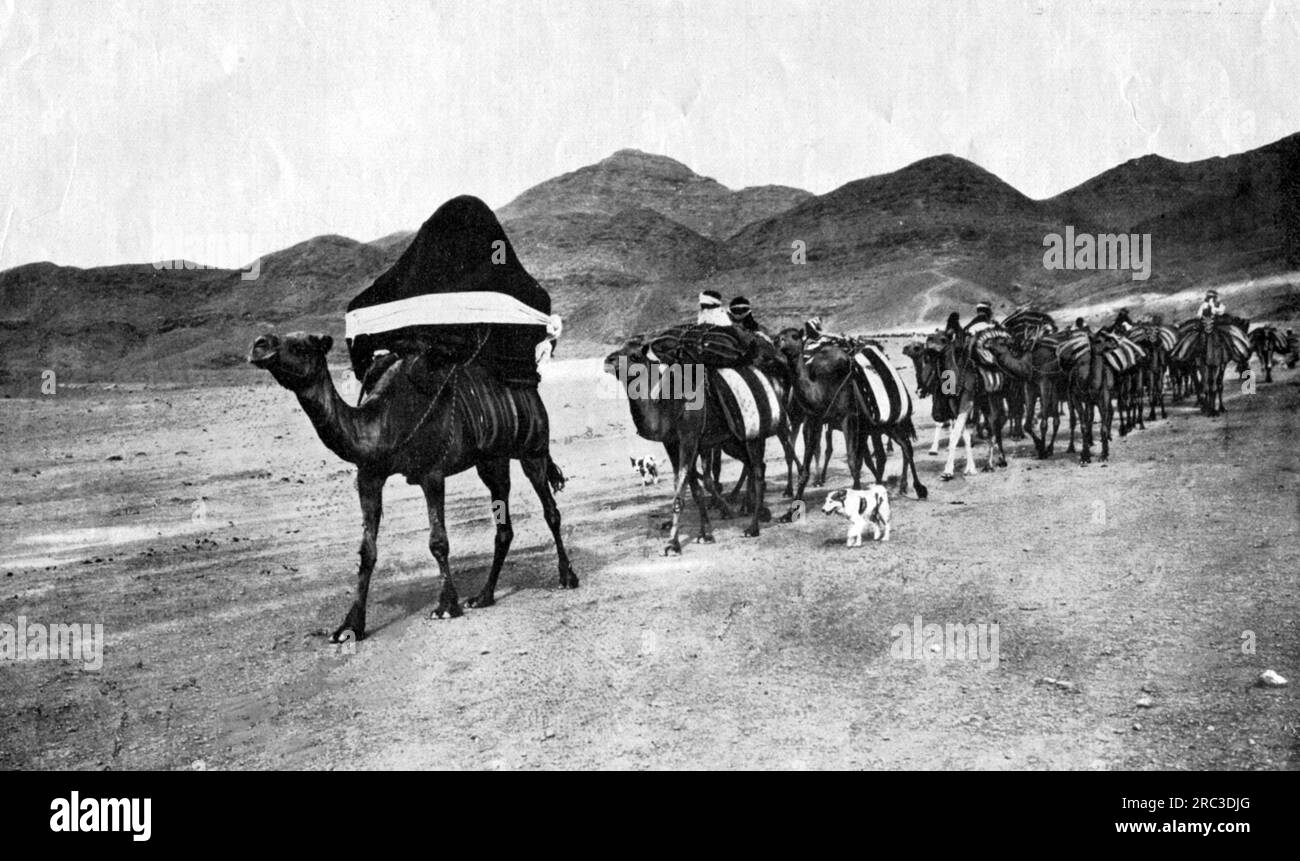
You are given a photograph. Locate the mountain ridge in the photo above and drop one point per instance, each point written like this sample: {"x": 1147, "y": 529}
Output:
{"x": 626, "y": 243}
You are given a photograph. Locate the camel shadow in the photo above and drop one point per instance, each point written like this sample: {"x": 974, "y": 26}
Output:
{"x": 530, "y": 569}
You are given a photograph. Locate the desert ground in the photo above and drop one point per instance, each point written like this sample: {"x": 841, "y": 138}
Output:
{"x": 215, "y": 538}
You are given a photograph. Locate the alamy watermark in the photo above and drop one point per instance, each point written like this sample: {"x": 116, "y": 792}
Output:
{"x": 954, "y": 641}
{"x": 653, "y": 381}
{"x": 33, "y": 641}
{"x": 212, "y": 246}
{"x": 1131, "y": 251}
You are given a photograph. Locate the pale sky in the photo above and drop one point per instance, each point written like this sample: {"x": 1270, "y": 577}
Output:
{"x": 138, "y": 131}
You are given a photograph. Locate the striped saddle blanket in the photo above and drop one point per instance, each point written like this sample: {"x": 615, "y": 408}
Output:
{"x": 880, "y": 388}
{"x": 992, "y": 379}
{"x": 752, "y": 403}
{"x": 1072, "y": 346}
{"x": 981, "y": 335}
{"x": 1026, "y": 324}
{"x": 1148, "y": 335}
{"x": 1122, "y": 355}
{"x": 1268, "y": 337}
{"x": 1191, "y": 340}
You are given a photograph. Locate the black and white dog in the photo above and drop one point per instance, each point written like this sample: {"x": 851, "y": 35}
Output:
{"x": 861, "y": 507}
{"x": 647, "y": 468}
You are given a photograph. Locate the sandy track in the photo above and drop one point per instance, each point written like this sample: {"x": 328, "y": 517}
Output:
{"x": 770, "y": 652}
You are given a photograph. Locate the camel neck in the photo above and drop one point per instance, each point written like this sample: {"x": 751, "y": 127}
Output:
{"x": 336, "y": 423}
{"x": 648, "y": 414}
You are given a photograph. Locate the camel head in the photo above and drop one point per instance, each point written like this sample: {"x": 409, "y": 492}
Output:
{"x": 931, "y": 360}
{"x": 915, "y": 350}
{"x": 830, "y": 361}
{"x": 789, "y": 343}
{"x": 632, "y": 352}
{"x": 296, "y": 360}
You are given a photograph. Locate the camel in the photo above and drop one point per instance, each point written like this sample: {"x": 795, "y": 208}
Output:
{"x": 467, "y": 419}
{"x": 1265, "y": 342}
{"x": 1090, "y": 383}
{"x": 1041, "y": 378}
{"x": 1210, "y": 343}
{"x": 823, "y": 385}
{"x": 687, "y": 433}
{"x": 1155, "y": 340}
{"x": 951, "y": 376}
{"x": 938, "y": 406}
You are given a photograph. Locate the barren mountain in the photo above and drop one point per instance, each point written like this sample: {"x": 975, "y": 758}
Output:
{"x": 626, "y": 244}
{"x": 631, "y": 179}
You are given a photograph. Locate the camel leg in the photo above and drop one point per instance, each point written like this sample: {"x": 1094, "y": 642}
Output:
{"x": 739, "y": 486}
{"x": 787, "y": 448}
{"x": 909, "y": 463}
{"x": 755, "y": 450}
{"x": 1031, "y": 398}
{"x": 853, "y": 449}
{"x": 495, "y": 475}
{"x": 958, "y": 432}
{"x": 536, "y": 470}
{"x": 1051, "y": 401}
{"x": 434, "y": 489}
{"x": 713, "y": 487}
{"x": 997, "y": 419}
{"x": 706, "y": 527}
{"x": 811, "y": 434}
{"x": 826, "y": 456}
{"x": 882, "y": 457}
{"x": 938, "y": 429}
{"x": 970, "y": 452}
{"x": 1084, "y": 411}
{"x": 686, "y": 453}
{"x": 1074, "y": 421}
{"x": 370, "y": 489}
{"x": 1105, "y": 416}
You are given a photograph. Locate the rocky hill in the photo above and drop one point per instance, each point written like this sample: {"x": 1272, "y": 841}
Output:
{"x": 626, "y": 244}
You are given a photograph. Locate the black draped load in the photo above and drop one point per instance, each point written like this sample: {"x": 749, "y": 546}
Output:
{"x": 458, "y": 291}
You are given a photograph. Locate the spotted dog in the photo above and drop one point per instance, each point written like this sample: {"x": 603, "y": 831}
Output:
{"x": 647, "y": 468}
{"x": 861, "y": 507}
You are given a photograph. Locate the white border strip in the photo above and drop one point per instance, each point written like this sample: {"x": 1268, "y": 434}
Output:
{"x": 442, "y": 309}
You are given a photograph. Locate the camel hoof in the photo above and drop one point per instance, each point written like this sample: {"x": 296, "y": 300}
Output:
{"x": 788, "y": 493}
{"x": 947, "y": 476}
{"x": 569, "y": 582}
{"x": 481, "y": 601}
{"x": 447, "y": 611}
{"x": 706, "y": 538}
{"x": 674, "y": 549}
{"x": 346, "y": 634}
{"x": 750, "y": 532}
{"x": 765, "y": 514}
{"x": 921, "y": 492}
{"x": 1002, "y": 461}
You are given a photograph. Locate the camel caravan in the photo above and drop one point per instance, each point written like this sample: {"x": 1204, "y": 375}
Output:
{"x": 448, "y": 341}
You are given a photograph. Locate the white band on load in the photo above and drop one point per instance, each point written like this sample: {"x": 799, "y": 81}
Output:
{"x": 442, "y": 309}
